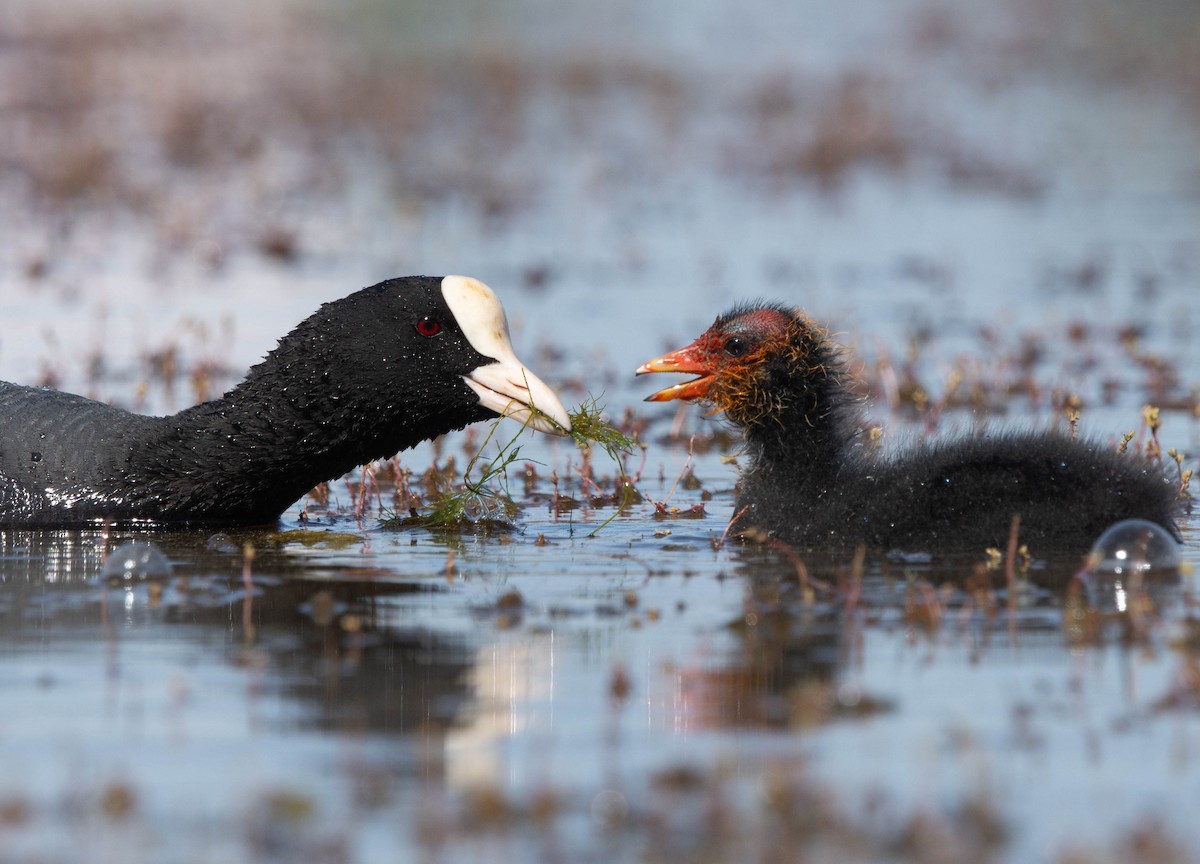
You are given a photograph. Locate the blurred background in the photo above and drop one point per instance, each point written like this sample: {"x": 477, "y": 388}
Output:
{"x": 994, "y": 203}
{"x": 180, "y": 183}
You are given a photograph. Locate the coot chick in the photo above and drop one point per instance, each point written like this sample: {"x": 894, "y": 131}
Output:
{"x": 813, "y": 480}
{"x": 362, "y": 378}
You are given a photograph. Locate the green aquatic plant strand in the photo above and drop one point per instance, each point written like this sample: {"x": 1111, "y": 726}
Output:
{"x": 487, "y": 494}
{"x": 589, "y": 429}
{"x": 480, "y": 497}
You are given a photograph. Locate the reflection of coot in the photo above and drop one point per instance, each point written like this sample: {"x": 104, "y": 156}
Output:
{"x": 394, "y": 682}
{"x": 813, "y": 480}
{"x": 376, "y": 372}
{"x": 332, "y": 646}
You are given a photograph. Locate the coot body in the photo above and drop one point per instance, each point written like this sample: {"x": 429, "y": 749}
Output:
{"x": 814, "y": 480}
{"x": 362, "y": 378}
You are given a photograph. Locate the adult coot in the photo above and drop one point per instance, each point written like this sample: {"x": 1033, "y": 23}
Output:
{"x": 813, "y": 480}
{"x": 362, "y": 378}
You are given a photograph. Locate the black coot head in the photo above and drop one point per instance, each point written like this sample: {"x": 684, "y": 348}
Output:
{"x": 419, "y": 354}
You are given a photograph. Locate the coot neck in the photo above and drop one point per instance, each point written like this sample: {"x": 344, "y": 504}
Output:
{"x": 290, "y": 425}
{"x": 267, "y": 441}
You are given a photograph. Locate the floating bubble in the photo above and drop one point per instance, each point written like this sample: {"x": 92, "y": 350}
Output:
{"x": 1133, "y": 559}
{"x": 609, "y": 808}
{"x": 220, "y": 542}
{"x": 135, "y": 562}
{"x": 1135, "y": 545}
{"x": 474, "y": 509}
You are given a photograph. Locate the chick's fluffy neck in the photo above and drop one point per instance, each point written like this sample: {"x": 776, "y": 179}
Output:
{"x": 797, "y": 409}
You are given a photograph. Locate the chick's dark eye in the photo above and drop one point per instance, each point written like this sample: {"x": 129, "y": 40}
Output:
{"x": 429, "y": 327}
{"x": 735, "y": 346}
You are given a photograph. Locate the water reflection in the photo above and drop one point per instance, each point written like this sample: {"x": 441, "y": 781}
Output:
{"x": 798, "y": 638}
{"x": 50, "y": 556}
{"x": 362, "y": 653}
{"x": 507, "y": 682}
{"x": 784, "y": 672}
{"x": 334, "y": 647}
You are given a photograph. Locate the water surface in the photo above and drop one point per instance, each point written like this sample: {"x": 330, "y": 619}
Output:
{"x": 995, "y": 204}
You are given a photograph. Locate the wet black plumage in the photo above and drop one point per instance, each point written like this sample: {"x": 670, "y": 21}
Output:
{"x": 355, "y": 381}
{"x": 813, "y": 479}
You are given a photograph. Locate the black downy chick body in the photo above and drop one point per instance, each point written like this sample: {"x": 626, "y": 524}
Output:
{"x": 813, "y": 480}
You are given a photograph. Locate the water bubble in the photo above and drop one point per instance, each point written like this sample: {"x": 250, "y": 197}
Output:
{"x": 221, "y": 543}
{"x": 609, "y": 808}
{"x": 1133, "y": 559}
{"x": 474, "y": 509}
{"x": 135, "y": 562}
{"x": 849, "y": 695}
{"x": 1135, "y": 545}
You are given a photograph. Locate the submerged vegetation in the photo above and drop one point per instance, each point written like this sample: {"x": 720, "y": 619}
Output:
{"x": 482, "y": 499}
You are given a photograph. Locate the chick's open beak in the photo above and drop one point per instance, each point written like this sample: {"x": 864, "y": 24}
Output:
{"x": 691, "y": 360}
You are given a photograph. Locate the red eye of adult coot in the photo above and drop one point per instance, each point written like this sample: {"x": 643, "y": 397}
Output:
{"x": 429, "y": 327}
